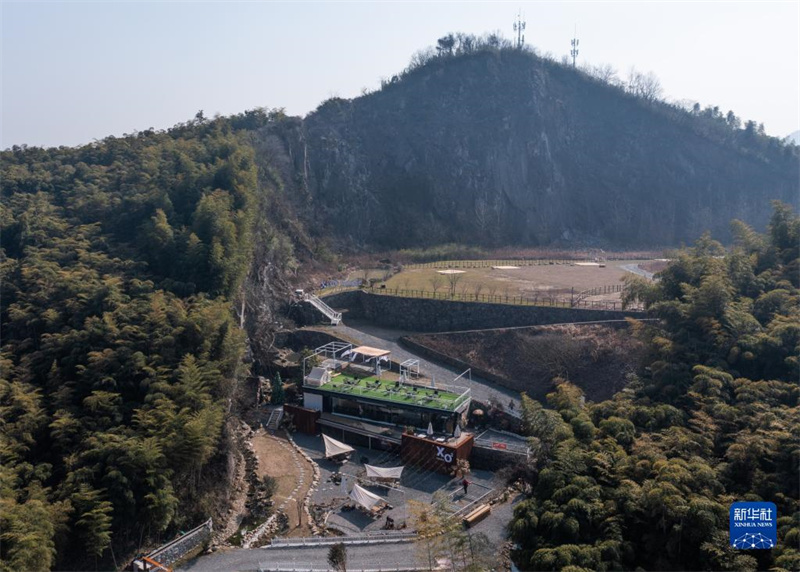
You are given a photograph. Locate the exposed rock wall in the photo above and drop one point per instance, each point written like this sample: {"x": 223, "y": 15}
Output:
{"x": 506, "y": 148}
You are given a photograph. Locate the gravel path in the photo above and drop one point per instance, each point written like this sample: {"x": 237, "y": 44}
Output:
{"x": 367, "y": 334}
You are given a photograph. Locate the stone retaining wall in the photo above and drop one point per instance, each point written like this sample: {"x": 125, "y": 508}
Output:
{"x": 425, "y": 315}
{"x": 175, "y": 550}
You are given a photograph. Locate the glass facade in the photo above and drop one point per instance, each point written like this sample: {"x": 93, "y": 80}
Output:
{"x": 442, "y": 422}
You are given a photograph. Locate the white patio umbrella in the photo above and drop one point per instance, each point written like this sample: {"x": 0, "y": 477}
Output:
{"x": 430, "y": 428}
{"x": 457, "y": 432}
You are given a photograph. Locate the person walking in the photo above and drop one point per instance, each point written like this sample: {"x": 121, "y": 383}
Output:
{"x": 465, "y": 483}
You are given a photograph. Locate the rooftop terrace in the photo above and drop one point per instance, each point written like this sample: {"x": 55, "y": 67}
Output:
{"x": 371, "y": 387}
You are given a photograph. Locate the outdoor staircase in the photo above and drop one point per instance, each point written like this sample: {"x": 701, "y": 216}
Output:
{"x": 274, "y": 421}
{"x": 334, "y": 316}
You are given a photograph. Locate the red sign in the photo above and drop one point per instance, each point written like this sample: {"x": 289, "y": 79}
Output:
{"x": 499, "y": 445}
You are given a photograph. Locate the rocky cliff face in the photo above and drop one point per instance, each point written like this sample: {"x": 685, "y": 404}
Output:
{"x": 505, "y": 148}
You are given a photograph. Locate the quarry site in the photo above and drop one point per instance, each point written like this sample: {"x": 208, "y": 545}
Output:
{"x": 381, "y": 418}
{"x": 331, "y": 286}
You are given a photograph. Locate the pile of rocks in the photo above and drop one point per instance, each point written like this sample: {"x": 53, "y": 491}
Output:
{"x": 316, "y": 529}
{"x": 262, "y": 534}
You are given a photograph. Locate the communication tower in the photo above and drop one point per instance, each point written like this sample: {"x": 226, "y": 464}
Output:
{"x": 519, "y": 28}
{"x": 574, "y": 51}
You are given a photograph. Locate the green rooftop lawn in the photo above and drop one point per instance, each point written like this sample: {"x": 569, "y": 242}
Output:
{"x": 385, "y": 390}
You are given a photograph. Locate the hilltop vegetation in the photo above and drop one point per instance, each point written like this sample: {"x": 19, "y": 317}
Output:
{"x": 646, "y": 479}
{"x": 482, "y": 144}
{"x": 120, "y": 348}
{"x": 129, "y": 265}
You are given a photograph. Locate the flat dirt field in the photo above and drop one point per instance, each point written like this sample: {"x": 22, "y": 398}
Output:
{"x": 279, "y": 460}
{"x": 543, "y": 280}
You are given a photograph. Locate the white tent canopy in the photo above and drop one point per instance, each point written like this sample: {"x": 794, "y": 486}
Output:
{"x": 384, "y": 472}
{"x": 319, "y": 376}
{"x": 365, "y": 498}
{"x": 334, "y": 447}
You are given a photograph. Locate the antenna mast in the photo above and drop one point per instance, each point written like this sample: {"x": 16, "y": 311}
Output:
{"x": 574, "y": 51}
{"x": 519, "y": 28}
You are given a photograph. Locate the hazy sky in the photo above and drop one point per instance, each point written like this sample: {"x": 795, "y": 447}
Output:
{"x": 77, "y": 71}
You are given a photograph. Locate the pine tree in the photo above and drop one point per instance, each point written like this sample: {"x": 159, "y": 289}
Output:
{"x": 278, "y": 395}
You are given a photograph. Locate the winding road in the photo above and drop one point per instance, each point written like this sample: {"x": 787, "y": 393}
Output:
{"x": 634, "y": 269}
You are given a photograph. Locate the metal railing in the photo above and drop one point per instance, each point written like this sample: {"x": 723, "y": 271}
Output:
{"x": 550, "y": 301}
{"x": 489, "y": 263}
{"x": 334, "y": 316}
{"x": 431, "y": 401}
{"x": 506, "y": 447}
{"x": 366, "y": 538}
{"x": 319, "y": 567}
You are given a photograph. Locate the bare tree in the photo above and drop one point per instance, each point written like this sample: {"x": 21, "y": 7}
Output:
{"x": 419, "y": 59}
{"x": 436, "y": 282}
{"x": 644, "y": 85}
{"x": 453, "y": 280}
{"x": 477, "y": 287}
{"x": 604, "y": 72}
{"x": 492, "y": 289}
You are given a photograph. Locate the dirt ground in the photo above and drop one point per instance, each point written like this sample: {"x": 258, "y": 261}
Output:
{"x": 595, "y": 358}
{"x": 278, "y": 459}
{"x": 546, "y": 280}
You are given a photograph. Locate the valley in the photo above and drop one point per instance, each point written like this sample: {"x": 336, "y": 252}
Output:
{"x": 559, "y": 331}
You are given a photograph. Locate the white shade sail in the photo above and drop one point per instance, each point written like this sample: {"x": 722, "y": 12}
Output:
{"x": 384, "y": 472}
{"x": 334, "y": 447}
{"x": 365, "y": 498}
{"x": 369, "y": 352}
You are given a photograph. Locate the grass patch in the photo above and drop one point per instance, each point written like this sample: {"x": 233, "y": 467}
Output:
{"x": 530, "y": 282}
{"x": 385, "y": 390}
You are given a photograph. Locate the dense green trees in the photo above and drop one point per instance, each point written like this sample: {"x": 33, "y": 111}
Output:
{"x": 646, "y": 479}
{"x": 120, "y": 347}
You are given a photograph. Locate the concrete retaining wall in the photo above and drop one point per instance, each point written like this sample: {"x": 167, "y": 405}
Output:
{"x": 491, "y": 459}
{"x": 425, "y": 315}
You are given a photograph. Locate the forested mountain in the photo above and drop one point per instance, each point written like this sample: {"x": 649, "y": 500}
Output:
{"x": 492, "y": 145}
{"x": 646, "y": 479}
{"x": 120, "y": 263}
{"x": 128, "y": 264}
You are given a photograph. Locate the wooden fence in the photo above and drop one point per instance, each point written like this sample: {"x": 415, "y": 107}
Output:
{"x": 551, "y": 301}
{"x": 489, "y": 263}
